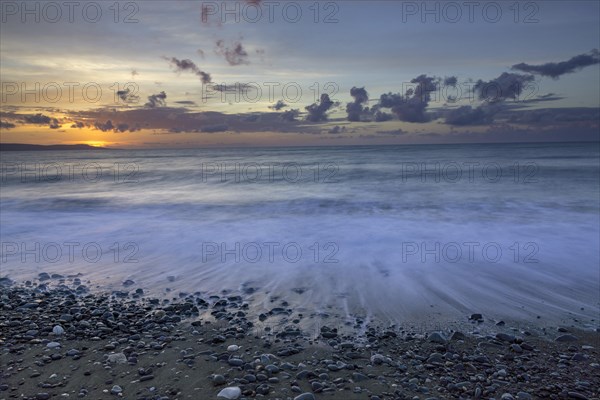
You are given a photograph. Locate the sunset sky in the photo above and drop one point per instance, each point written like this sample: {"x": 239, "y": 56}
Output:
{"x": 196, "y": 73}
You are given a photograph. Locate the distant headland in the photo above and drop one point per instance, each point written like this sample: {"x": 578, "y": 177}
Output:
{"x": 39, "y": 147}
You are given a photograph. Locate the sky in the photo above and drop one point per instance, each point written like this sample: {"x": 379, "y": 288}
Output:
{"x": 165, "y": 74}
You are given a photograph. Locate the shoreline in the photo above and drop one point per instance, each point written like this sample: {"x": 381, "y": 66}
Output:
{"x": 59, "y": 340}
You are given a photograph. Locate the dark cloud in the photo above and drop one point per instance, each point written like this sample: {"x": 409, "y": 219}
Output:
{"x": 318, "y": 111}
{"x": 134, "y": 73}
{"x": 355, "y": 109}
{"x": 450, "y": 81}
{"x": 215, "y": 128}
{"x": 127, "y": 97}
{"x": 555, "y": 70}
{"x": 235, "y": 55}
{"x": 337, "y": 129}
{"x": 411, "y": 107}
{"x": 157, "y": 100}
{"x": 506, "y": 86}
{"x": 189, "y": 66}
{"x": 237, "y": 87}
{"x": 467, "y": 115}
{"x": 78, "y": 124}
{"x": 381, "y": 116}
{"x": 54, "y": 124}
{"x": 554, "y": 116}
{"x": 278, "y": 106}
{"x": 395, "y": 132}
{"x": 186, "y": 102}
{"x": 6, "y": 125}
{"x": 39, "y": 119}
{"x": 122, "y": 127}
{"x": 290, "y": 115}
{"x": 104, "y": 126}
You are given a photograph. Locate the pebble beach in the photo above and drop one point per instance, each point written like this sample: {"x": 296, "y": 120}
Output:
{"x": 60, "y": 340}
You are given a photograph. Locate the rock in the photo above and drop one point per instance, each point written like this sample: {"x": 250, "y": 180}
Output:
{"x": 507, "y": 396}
{"x": 566, "y": 338}
{"x": 218, "y": 380}
{"x": 116, "y": 389}
{"x": 233, "y": 348}
{"x": 516, "y": 348}
{"x": 505, "y": 337}
{"x": 230, "y": 393}
{"x": 305, "y": 396}
{"x": 117, "y": 358}
{"x": 437, "y": 337}
{"x": 435, "y": 358}
{"x": 524, "y": 396}
{"x": 42, "y": 396}
{"x": 58, "y": 330}
{"x": 476, "y": 317}
{"x": 576, "y": 395}
{"x": 457, "y": 336}
{"x": 53, "y": 345}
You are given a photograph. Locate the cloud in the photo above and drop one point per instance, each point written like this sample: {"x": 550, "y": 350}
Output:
{"x": 236, "y": 55}
{"x": 450, "y": 81}
{"x": 395, "y": 132}
{"x": 39, "y": 119}
{"x": 467, "y": 115}
{"x": 337, "y": 129}
{"x": 215, "y": 128}
{"x": 318, "y": 111}
{"x": 290, "y": 115}
{"x": 127, "y": 97}
{"x": 6, "y": 125}
{"x": 356, "y": 109}
{"x": 54, "y": 124}
{"x": 78, "y": 124}
{"x": 506, "y": 86}
{"x": 156, "y": 100}
{"x": 186, "y": 102}
{"x": 411, "y": 107}
{"x": 134, "y": 73}
{"x": 278, "y": 106}
{"x": 381, "y": 116}
{"x": 189, "y": 66}
{"x": 555, "y": 70}
{"x": 104, "y": 126}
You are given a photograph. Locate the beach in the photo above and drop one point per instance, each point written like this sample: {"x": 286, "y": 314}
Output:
{"x": 60, "y": 341}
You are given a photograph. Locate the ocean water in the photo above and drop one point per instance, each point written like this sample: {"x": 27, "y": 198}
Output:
{"x": 399, "y": 234}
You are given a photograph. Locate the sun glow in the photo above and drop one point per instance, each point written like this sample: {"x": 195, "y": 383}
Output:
{"x": 96, "y": 143}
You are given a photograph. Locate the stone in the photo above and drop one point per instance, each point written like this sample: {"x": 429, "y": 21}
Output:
{"x": 305, "y": 396}
{"x": 566, "y": 338}
{"x": 117, "y": 358}
{"x": 58, "y": 330}
{"x": 437, "y": 337}
{"x": 230, "y": 393}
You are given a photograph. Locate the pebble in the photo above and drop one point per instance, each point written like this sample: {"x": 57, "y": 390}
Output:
{"x": 230, "y": 393}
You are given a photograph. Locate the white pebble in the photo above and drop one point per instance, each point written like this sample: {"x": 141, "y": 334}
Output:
{"x": 230, "y": 393}
{"x": 233, "y": 348}
{"x": 58, "y": 330}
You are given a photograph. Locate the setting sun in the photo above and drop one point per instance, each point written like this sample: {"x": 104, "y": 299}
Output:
{"x": 96, "y": 143}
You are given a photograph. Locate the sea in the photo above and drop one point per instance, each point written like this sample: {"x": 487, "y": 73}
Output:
{"x": 419, "y": 235}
